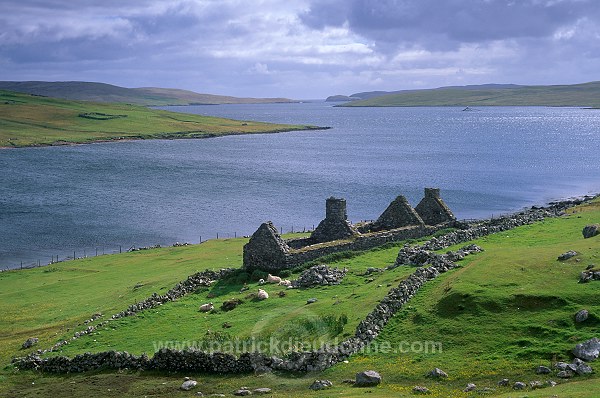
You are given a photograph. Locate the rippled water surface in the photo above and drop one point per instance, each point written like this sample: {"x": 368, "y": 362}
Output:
{"x": 58, "y": 200}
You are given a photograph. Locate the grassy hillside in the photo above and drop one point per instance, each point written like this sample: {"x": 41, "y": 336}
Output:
{"x": 185, "y": 97}
{"x": 28, "y": 120}
{"x": 586, "y": 95}
{"x": 102, "y": 92}
{"x": 501, "y": 314}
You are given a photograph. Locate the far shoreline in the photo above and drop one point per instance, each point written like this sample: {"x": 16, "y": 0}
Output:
{"x": 163, "y": 136}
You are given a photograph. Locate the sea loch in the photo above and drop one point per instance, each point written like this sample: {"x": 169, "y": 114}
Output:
{"x": 59, "y": 200}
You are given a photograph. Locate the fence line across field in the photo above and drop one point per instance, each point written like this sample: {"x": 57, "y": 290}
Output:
{"x": 102, "y": 250}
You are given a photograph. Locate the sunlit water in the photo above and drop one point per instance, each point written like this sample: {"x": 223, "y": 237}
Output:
{"x": 58, "y": 200}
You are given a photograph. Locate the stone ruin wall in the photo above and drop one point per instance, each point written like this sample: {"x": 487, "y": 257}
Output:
{"x": 267, "y": 251}
{"x": 432, "y": 208}
{"x": 366, "y": 331}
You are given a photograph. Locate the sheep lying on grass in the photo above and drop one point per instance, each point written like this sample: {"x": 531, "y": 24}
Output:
{"x": 207, "y": 307}
{"x": 262, "y": 295}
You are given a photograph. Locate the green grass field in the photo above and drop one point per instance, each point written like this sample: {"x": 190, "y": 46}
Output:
{"x": 501, "y": 314}
{"x": 27, "y": 120}
{"x": 585, "y": 95}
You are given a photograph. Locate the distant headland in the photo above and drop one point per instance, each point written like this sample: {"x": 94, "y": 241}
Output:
{"x": 578, "y": 95}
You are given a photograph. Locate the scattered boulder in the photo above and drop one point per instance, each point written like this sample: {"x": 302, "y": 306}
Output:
{"x": 230, "y": 304}
{"x": 188, "y": 385}
{"x": 588, "y": 350}
{"x": 372, "y": 270}
{"x": 589, "y": 275}
{"x": 368, "y": 378}
{"x": 564, "y": 366}
{"x": 551, "y": 383}
{"x": 567, "y": 255}
{"x": 582, "y": 368}
{"x": 262, "y": 390}
{"x": 420, "y": 390}
{"x": 589, "y": 231}
{"x": 470, "y": 387}
{"x": 320, "y": 275}
{"x": 581, "y": 316}
{"x": 519, "y": 385}
{"x": 311, "y": 300}
{"x": 30, "y": 342}
{"x": 320, "y": 385}
{"x": 437, "y": 373}
{"x": 503, "y": 383}
{"x": 242, "y": 392}
{"x": 536, "y": 384}
{"x": 564, "y": 374}
{"x": 542, "y": 370}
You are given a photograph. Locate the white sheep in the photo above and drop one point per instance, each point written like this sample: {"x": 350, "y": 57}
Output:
{"x": 273, "y": 279}
{"x": 285, "y": 282}
{"x": 207, "y": 307}
{"x": 262, "y": 295}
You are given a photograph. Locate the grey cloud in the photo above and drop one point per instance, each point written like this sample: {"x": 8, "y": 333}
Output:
{"x": 215, "y": 45}
{"x": 448, "y": 23}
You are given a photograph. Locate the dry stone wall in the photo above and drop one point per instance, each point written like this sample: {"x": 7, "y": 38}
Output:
{"x": 368, "y": 329}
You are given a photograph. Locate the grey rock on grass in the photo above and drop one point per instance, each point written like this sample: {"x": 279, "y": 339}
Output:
{"x": 420, "y": 390}
{"x": 437, "y": 373}
{"x": 567, "y": 255}
{"x": 542, "y": 370}
{"x": 470, "y": 387}
{"x": 320, "y": 385}
{"x": 30, "y": 342}
{"x": 588, "y": 350}
{"x": 589, "y": 231}
{"x": 368, "y": 378}
{"x": 581, "y": 316}
{"x": 519, "y": 385}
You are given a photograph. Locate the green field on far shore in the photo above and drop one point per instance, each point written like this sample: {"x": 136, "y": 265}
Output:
{"x": 575, "y": 95}
{"x": 29, "y": 120}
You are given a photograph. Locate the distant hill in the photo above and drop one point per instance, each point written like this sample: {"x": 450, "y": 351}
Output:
{"x": 341, "y": 98}
{"x": 585, "y": 95}
{"x": 148, "y": 96}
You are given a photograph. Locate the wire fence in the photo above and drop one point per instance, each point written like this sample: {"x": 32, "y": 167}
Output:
{"x": 102, "y": 250}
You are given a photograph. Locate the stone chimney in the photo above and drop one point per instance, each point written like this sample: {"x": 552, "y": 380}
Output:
{"x": 335, "y": 209}
{"x": 432, "y": 209}
{"x": 433, "y": 193}
{"x": 335, "y": 226}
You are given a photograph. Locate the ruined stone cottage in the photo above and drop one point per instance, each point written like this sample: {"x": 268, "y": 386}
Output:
{"x": 267, "y": 251}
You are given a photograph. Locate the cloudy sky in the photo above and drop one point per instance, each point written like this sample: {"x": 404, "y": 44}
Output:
{"x": 300, "y": 48}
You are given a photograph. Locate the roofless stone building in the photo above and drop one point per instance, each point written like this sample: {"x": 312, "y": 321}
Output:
{"x": 267, "y": 251}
